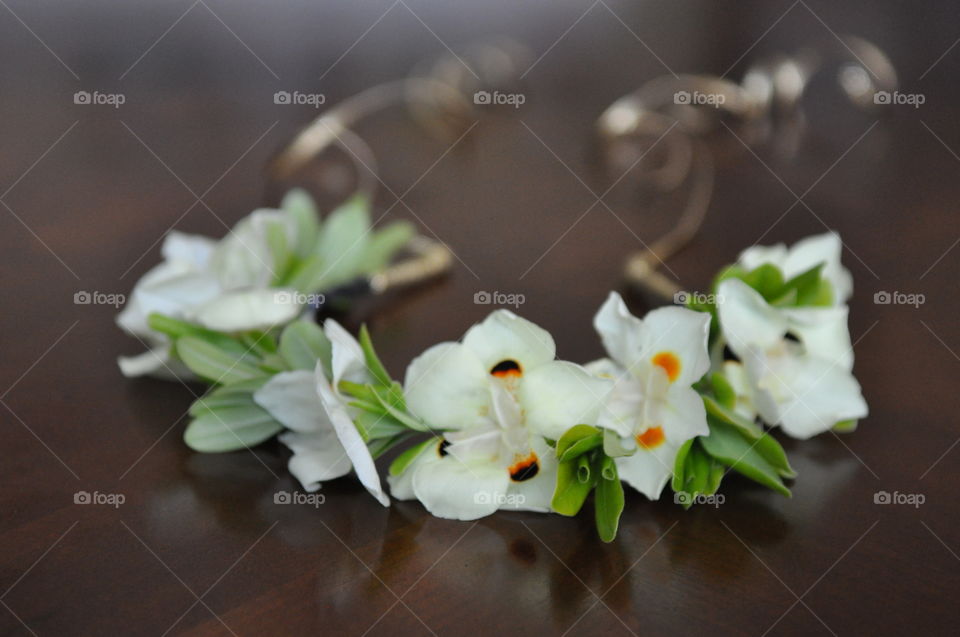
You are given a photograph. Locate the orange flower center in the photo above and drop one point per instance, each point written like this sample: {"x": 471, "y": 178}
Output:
{"x": 669, "y": 363}
{"x": 524, "y": 468}
{"x": 651, "y": 438}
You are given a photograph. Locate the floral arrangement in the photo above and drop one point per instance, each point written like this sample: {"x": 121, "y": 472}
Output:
{"x": 268, "y": 271}
{"x": 684, "y": 396}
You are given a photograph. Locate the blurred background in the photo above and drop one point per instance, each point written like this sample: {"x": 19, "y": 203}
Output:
{"x": 528, "y": 204}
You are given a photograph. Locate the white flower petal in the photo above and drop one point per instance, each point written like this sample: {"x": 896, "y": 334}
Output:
{"x": 348, "y": 362}
{"x": 736, "y": 375}
{"x": 622, "y": 333}
{"x": 292, "y": 399}
{"x": 684, "y": 415}
{"x": 604, "y": 368}
{"x": 156, "y": 362}
{"x": 648, "y": 470}
{"x": 476, "y": 444}
{"x": 451, "y": 489}
{"x": 505, "y": 336}
{"x": 536, "y": 493}
{"x": 559, "y": 395}
{"x": 678, "y": 335}
{"x": 243, "y": 258}
{"x": 260, "y": 309}
{"x": 194, "y": 249}
{"x": 170, "y": 288}
{"x": 623, "y": 406}
{"x": 317, "y": 457}
{"x": 823, "y": 332}
{"x": 448, "y": 387}
{"x": 759, "y": 371}
{"x": 746, "y": 319}
{"x": 824, "y": 248}
{"x": 822, "y": 394}
{"x": 401, "y": 486}
{"x": 350, "y": 438}
{"x": 755, "y": 256}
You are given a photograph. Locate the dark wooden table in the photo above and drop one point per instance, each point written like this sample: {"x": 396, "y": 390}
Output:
{"x": 198, "y": 544}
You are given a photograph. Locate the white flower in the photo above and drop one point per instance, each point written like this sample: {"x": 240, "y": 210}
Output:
{"x": 219, "y": 285}
{"x": 796, "y": 361}
{"x": 805, "y": 254}
{"x": 500, "y": 392}
{"x": 652, "y": 407}
{"x": 324, "y": 440}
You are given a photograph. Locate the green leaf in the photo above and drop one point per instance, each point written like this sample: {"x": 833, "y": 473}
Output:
{"x": 299, "y": 205}
{"x": 613, "y": 445}
{"x": 746, "y": 427}
{"x": 175, "y": 329}
{"x": 723, "y": 390}
{"x": 570, "y": 493}
{"x": 717, "y": 471}
{"x": 582, "y": 446}
{"x": 374, "y": 427}
{"x": 385, "y": 243}
{"x": 279, "y": 250}
{"x": 343, "y": 241}
{"x": 585, "y": 473}
{"x": 236, "y": 395}
{"x": 608, "y": 500}
{"x": 678, "y": 483}
{"x": 804, "y": 285}
{"x": 771, "y": 451}
{"x": 408, "y": 420}
{"x": 698, "y": 465}
{"x": 729, "y": 446}
{"x": 302, "y": 344}
{"x": 273, "y": 364}
{"x": 405, "y": 459}
{"x": 767, "y": 279}
{"x": 258, "y": 342}
{"x": 374, "y": 366}
{"x": 573, "y": 436}
{"x": 309, "y": 276}
{"x": 823, "y": 297}
{"x": 230, "y": 428}
{"x": 214, "y": 364}
{"x": 846, "y": 426}
{"x": 730, "y": 272}
{"x": 380, "y": 446}
{"x": 364, "y": 393}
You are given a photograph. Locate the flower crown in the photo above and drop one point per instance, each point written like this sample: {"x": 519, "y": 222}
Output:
{"x": 494, "y": 421}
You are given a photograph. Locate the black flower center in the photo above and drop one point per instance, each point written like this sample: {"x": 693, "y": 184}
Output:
{"x": 506, "y": 368}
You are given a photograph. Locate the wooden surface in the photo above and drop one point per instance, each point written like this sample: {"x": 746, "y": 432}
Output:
{"x": 199, "y": 547}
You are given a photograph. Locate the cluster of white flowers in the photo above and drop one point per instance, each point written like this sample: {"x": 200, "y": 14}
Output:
{"x": 795, "y": 366}
{"x": 505, "y": 425}
{"x": 260, "y": 276}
